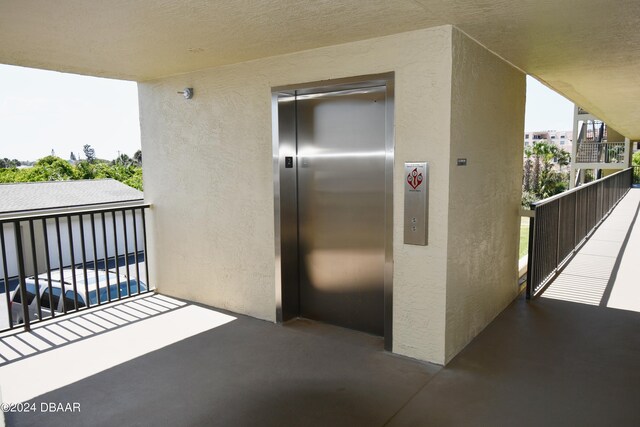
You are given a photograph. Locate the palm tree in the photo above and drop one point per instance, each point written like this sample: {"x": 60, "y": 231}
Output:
{"x": 540, "y": 178}
{"x": 123, "y": 160}
{"x": 137, "y": 157}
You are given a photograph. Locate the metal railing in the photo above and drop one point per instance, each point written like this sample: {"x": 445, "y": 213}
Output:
{"x": 561, "y": 224}
{"x": 600, "y": 152}
{"x": 59, "y": 263}
{"x": 636, "y": 175}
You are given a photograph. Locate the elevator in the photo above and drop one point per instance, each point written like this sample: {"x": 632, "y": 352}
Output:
{"x": 333, "y": 163}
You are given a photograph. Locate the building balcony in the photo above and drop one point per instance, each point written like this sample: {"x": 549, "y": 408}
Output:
{"x": 610, "y": 153}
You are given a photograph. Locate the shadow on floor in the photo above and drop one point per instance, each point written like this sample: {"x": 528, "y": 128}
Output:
{"x": 603, "y": 271}
{"x": 82, "y": 325}
{"x": 248, "y": 372}
{"x": 543, "y": 363}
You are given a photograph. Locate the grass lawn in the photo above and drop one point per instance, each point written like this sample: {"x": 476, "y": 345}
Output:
{"x": 524, "y": 236}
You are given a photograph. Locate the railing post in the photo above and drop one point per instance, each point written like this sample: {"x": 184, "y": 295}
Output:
{"x": 116, "y": 256}
{"x": 530, "y": 257}
{"x": 106, "y": 258}
{"x": 135, "y": 247}
{"x": 575, "y": 222}
{"x": 74, "y": 280}
{"x": 22, "y": 276}
{"x": 126, "y": 251}
{"x": 627, "y": 152}
{"x": 60, "y": 264}
{"x": 3, "y": 255}
{"x": 146, "y": 252}
{"x": 559, "y": 219}
{"x": 34, "y": 255}
{"x": 47, "y": 262}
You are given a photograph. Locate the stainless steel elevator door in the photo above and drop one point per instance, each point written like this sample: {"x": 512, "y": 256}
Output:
{"x": 341, "y": 207}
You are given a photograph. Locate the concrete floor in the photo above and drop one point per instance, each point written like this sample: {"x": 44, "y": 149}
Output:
{"x": 604, "y": 271}
{"x": 568, "y": 360}
{"x": 546, "y": 363}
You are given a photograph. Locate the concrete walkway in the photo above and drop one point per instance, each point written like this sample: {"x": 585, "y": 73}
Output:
{"x": 540, "y": 363}
{"x": 605, "y": 272}
{"x": 571, "y": 358}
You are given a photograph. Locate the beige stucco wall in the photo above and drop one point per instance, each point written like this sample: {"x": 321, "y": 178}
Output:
{"x": 488, "y": 100}
{"x": 614, "y": 136}
{"x": 208, "y": 173}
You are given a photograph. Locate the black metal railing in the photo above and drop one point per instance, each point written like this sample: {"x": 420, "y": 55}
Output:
{"x": 58, "y": 263}
{"x": 560, "y": 224}
{"x": 636, "y": 175}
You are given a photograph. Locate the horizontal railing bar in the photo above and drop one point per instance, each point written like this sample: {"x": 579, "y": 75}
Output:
{"x": 61, "y": 214}
{"x": 600, "y": 165}
{"x": 576, "y": 189}
{"x": 587, "y": 142}
{"x": 58, "y": 209}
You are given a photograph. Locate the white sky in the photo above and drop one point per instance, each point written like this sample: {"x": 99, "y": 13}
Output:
{"x": 546, "y": 109}
{"x": 45, "y": 110}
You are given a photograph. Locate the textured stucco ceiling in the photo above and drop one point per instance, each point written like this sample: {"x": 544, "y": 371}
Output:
{"x": 589, "y": 50}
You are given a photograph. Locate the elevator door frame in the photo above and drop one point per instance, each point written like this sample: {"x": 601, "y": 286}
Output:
{"x": 285, "y": 182}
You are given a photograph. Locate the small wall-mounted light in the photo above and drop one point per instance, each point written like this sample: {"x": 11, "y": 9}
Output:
{"x": 187, "y": 92}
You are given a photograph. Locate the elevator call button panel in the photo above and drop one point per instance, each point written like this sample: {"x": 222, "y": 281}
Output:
{"x": 416, "y": 203}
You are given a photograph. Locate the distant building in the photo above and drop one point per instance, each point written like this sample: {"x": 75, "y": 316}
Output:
{"x": 599, "y": 149}
{"x": 562, "y": 138}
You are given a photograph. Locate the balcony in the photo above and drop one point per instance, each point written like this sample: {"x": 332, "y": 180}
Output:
{"x": 155, "y": 360}
{"x": 601, "y": 152}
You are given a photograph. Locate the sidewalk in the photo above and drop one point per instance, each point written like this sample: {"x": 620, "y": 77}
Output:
{"x": 604, "y": 271}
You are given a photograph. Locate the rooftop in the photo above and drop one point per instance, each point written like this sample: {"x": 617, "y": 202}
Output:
{"x": 30, "y": 196}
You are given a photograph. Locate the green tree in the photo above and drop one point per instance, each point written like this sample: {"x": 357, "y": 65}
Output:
{"x": 49, "y": 168}
{"x": 635, "y": 161}
{"x": 543, "y": 172}
{"x": 8, "y": 175}
{"x": 137, "y": 157}
{"x": 52, "y": 168}
{"x": 89, "y": 153}
{"x": 7, "y": 163}
{"x": 135, "y": 180}
{"x": 85, "y": 170}
{"x": 122, "y": 159}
